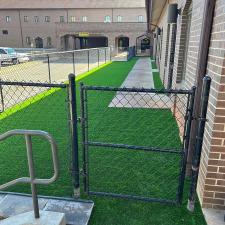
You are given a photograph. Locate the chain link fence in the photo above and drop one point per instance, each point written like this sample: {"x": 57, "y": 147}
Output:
{"x": 36, "y": 107}
{"x": 52, "y": 67}
{"x": 134, "y": 142}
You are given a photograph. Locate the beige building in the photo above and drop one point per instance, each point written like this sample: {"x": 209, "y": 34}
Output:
{"x": 71, "y": 24}
{"x": 185, "y": 51}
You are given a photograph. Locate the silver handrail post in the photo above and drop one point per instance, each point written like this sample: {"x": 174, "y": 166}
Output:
{"x": 32, "y": 175}
{"x": 32, "y": 180}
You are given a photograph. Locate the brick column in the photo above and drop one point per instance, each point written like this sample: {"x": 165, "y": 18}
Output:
{"x": 211, "y": 183}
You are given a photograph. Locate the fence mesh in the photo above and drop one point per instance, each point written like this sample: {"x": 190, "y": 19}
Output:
{"x": 53, "y": 67}
{"x": 36, "y": 108}
{"x": 117, "y": 120}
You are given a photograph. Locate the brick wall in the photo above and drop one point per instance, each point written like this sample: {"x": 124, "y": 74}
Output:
{"x": 211, "y": 183}
{"x": 211, "y": 186}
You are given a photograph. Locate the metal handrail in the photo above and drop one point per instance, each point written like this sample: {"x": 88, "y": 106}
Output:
{"x": 32, "y": 180}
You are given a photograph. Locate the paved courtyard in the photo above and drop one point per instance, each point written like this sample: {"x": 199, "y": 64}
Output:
{"x": 38, "y": 70}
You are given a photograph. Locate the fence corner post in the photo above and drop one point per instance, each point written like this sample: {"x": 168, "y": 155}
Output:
{"x": 49, "y": 70}
{"x": 74, "y": 135}
{"x": 198, "y": 142}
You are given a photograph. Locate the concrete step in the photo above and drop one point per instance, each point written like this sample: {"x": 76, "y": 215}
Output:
{"x": 76, "y": 211}
{"x": 46, "y": 218}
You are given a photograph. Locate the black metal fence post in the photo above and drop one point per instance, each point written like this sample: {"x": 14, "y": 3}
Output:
{"x": 198, "y": 142}
{"x": 74, "y": 134}
{"x": 110, "y": 53}
{"x": 83, "y": 126}
{"x": 105, "y": 55}
{"x": 88, "y": 54}
{"x": 49, "y": 70}
{"x": 74, "y": 72}
{"x": 98, "y": 57}
{"x": 186, "y": 138}
{"x": 2, "y": 98}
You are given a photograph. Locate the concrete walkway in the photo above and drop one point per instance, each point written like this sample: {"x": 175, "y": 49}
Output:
{"x": 140, "y": 77}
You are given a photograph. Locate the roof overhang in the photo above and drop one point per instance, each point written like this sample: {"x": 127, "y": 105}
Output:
{"x": 156, "y": 7}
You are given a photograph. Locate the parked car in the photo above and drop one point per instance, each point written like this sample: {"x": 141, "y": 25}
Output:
{"x": 9, "y": 55}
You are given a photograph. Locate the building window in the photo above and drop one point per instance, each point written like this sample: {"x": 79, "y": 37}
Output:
{"x": 119, "y": 18}
{"x": 28, "y": 40}
{"x": 47, "y": 19}
{"x": 107, "y": 19}
{"x": 140, "y": 18}
{"x": 5, "y": 32}
{"x": 61, "y": 19}
{"x": 8, "y": 19}
{"x": 72, "y": 19}
{"x": 49, "y": 41}
{"x": 84, "y": 18}
{"x": 36, "y": 19}
{"x": 25, "y": 19}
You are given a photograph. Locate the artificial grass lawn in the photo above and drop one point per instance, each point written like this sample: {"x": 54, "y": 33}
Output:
{"x": 156, "y": 77}
{"x": 121, "y": 171}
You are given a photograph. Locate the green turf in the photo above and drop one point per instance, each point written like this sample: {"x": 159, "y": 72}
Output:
{"x": 121, "y": 171}
{"x": 156, "y": 77}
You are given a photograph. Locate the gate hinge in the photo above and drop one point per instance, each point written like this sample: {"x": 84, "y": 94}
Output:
{"x": 82, "y": 173}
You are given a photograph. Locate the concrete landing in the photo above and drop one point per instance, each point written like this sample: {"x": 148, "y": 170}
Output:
{"x": 46, "y": 218}
{"x": 214, "y": 217}
{"x": 77, "y": 212}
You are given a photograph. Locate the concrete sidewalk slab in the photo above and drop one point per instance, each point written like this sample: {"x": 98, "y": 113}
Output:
{"x": 141, "y": 77}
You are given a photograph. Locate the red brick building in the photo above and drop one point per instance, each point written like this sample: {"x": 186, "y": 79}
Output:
{"x": 179, "y": 51}
{"x": 71, "y": 24}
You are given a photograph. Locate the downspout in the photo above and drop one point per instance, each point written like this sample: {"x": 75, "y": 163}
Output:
{"x": 201, "y": 72}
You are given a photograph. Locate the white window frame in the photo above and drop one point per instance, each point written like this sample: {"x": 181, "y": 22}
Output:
{"x": 107, "y": 19}
{"x": 61, "y": 19}
{"x": 36, "y": 19}
{"x": 47, "y": 19}
{"x": 28, "y": 40}
{"x": 84, "y": 19}
{"x": 72, "y": 19}
{"x": 140, "y": 18}
{"x": 49, "y": 41}
{"x": 8, "y": 19}
{"x": 25, "y": 19}
{"x": 119, "y": 18}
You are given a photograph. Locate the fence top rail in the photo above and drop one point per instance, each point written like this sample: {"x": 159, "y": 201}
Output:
{"x": 32, "y": 84}
{"x": 144, "y": 90}
{"x": 65, "y": 52}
